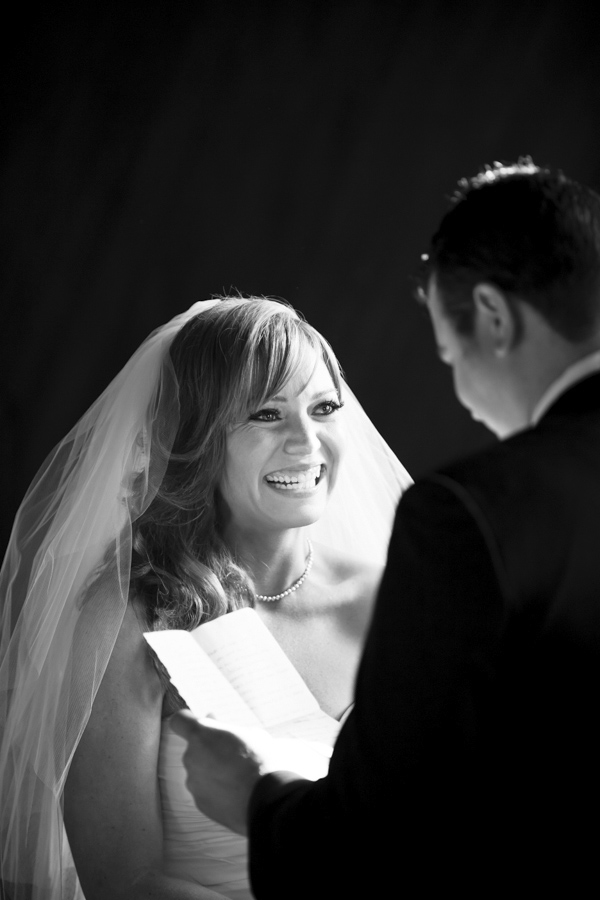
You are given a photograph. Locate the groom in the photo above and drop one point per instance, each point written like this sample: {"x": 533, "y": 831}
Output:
{"x": 470, "y": 762}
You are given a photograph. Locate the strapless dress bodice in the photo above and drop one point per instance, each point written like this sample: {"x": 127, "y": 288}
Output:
{"x": 196, "y": 848}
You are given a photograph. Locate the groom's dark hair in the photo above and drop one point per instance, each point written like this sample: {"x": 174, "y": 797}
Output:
{"x": 533, "y": 233}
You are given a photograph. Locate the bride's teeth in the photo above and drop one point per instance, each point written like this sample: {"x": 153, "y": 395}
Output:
{"x": 303, "y": 479}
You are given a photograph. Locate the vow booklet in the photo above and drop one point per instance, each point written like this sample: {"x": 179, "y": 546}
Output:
{"x": 233, "y": 669}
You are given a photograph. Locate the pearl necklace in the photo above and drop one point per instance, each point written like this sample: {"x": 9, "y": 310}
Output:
{"x": 268, "y": 598}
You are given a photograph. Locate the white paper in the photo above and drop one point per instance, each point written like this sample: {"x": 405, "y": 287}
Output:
{"x": 234, "y": 669}
{"x": 198, "y": 680}
{"x": 246, "y": 652}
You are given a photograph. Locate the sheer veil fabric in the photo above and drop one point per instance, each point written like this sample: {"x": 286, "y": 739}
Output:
{"x": 65, "y": 579}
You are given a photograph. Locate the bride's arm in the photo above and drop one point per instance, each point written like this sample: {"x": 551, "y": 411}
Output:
{"x": 112, "y": 805}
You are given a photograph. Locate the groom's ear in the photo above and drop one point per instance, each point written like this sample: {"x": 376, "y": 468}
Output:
{"x": 495, "y": 322}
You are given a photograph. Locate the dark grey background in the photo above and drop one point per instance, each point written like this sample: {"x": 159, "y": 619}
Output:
{"x": 156, "y": 153}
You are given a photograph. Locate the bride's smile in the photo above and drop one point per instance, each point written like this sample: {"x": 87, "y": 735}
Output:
{"x": 297, "y": 480}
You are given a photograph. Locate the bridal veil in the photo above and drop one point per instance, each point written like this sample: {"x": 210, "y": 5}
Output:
{"x": 65, "y": 579}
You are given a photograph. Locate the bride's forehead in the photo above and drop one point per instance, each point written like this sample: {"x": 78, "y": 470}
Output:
{"x": 310, "y": 376}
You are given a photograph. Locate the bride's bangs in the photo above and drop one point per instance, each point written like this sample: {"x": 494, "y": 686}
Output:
{"x": 287, "y": 346}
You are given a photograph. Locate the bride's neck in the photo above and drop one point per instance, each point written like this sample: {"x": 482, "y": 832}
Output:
{"x": 274, "y": 560}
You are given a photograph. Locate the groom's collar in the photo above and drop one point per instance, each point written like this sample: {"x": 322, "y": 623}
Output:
{"x": 581, "y": 369}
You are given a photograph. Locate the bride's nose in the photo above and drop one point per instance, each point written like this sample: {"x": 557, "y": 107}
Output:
{"x": 302, "y": 436}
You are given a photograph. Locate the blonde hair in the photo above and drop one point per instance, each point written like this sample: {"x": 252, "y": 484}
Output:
{"x": 228, "y": 360}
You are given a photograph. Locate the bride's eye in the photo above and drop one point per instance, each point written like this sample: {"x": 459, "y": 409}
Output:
{"x": 265, "y": 415}
{"x": 327, "y": 407}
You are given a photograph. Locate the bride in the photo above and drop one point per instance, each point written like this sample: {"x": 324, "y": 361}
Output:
{"x": 227, "y": 465}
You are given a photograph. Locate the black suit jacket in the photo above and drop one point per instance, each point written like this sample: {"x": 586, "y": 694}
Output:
{"x": 470, "y": 761}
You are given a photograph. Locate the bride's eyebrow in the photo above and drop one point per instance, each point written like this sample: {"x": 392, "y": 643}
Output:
{"x": 281, "y": 399}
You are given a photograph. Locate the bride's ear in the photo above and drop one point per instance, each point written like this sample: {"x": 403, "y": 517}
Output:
{"x": 496, "y": 326}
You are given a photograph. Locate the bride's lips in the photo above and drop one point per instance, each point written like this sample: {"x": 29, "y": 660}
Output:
{"x": 295, "y": 481}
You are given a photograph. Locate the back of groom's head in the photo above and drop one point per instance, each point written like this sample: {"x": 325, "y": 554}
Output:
{"x": 531, "y": 232}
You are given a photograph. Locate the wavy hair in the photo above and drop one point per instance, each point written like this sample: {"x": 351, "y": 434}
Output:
{"x": 228, "y": 361}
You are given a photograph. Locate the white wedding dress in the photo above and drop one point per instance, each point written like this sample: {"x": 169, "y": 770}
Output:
{"x": 196, "y": 848}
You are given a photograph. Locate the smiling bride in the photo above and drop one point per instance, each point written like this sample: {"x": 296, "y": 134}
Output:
{"x": 227, "y": 465}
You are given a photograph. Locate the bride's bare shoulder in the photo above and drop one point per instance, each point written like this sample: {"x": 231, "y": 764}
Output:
{"x": 353, "y": 587}
{"x": 354, "y": 582}
{"x": 117, "y": 626}
{"x": 343, "y": 568}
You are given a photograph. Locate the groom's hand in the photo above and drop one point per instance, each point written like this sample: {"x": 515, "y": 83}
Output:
{"x": 223, "y": 766}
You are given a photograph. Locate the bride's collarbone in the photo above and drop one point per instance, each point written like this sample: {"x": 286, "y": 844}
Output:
{"x": 341, "y": 605}
{"x": 324, "y": 653}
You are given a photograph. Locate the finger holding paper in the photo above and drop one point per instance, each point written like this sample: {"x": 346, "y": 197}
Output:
{"x": 222, "y": 767}
{"x": 224, "y": 763}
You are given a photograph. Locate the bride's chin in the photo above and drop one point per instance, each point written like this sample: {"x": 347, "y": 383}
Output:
{"x": 302, "y": 518}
